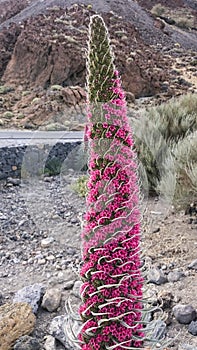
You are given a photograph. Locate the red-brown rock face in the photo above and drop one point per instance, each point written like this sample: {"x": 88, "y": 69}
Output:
{"x": 8, "y": 40}
{"x": 51, "y": 50}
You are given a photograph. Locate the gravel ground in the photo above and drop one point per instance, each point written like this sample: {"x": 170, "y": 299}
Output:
{"x": 29, "y": 213}
{"x": 48, "y": 207}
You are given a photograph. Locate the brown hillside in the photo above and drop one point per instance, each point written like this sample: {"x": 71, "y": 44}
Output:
{"x": 51, "y": 50}
{"x": 43, "y": 43}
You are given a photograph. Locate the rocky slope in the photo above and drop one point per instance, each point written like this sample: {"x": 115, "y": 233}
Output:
{"x": 43, "y": 43}
{"x": 53, "y": 52}
{"x": 148, "y": 4}
{"x": 10, "y": 8}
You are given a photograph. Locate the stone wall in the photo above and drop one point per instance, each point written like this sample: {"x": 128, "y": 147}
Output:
{"x": 24, "y": 161}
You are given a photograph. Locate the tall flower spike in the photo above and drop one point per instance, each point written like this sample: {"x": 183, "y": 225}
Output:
{"x": 112, "y": 307}
{"x": 100, "y": 62}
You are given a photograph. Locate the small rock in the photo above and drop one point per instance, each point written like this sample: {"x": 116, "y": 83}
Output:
{"x": 48, "y": 179}
{"x": 76, "y": 289}
{"x": 193, "y": 265}
{"x": 50, "y": 258}
{"x": 49, "y": 343}
{"x": 177, "y": 298}
{"x": 171, "y": 265}
{"x": 13, "y": 181}
{"x": 63, "y": 329}
{"x": 193, "y": 328}
{"x": 56, "y": 329}
{"x": 70, "y": 251}
{"x": 3, "y": 217}
{"x": 175, "y": 276}
{"x": 41, "y": 261}
{"x": 157, "y": 229}
{"x": 27, "y": 343}
{"x": 156, "y": 276}
{"x": 69, "y": 284}
{"x": 184, "y": 313}
{"x": 73, "y": 221}
{"x": 46, "y": 242}
{"x": 51, "y": 299}
{"x": 31, "y": 295}
{"x": 159, "y": 330}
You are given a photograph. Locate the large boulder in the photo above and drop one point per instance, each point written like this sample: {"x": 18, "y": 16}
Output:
{"x": 16, "y": 320}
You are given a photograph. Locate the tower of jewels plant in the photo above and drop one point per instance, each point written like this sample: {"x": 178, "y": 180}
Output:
{"x": 111, "y": 308}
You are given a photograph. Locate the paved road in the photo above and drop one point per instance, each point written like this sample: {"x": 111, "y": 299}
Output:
{"x": 16, "y": 138}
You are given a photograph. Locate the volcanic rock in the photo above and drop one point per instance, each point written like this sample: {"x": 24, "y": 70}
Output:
{"x": 193, "y": 327}
{"x": 16, "y": 319}
{"x": 60, "y": 39}
{"x": 49, "y": 343}
{"x": 27, "y": 343}
{"x": 184, "y": 313}
{"x": 30, "y": 294}
{"x": 155, "y": 275}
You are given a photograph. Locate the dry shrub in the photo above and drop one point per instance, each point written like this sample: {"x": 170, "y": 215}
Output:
{"x": 158, "y": 10}
{"x": 166, "y": 143}
{"x": 180, "y": 179}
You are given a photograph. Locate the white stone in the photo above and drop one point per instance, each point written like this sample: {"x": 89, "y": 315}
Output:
{"x": 49, "y": 343}
{"x": 46, "y": 242}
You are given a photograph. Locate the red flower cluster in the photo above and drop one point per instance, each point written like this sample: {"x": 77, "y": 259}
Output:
{"x": 112, "y": 289}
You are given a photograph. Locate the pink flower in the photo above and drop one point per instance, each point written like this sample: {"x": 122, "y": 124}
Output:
{"x": 108, "y": 134}
{"x": 111, "y": 234}
{"x": 105, "y": 125}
